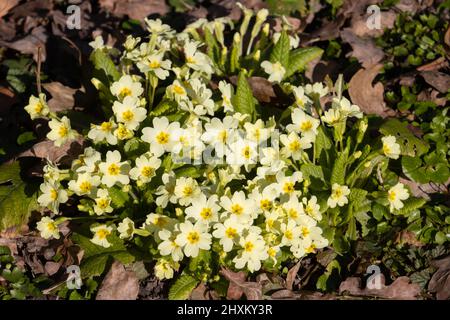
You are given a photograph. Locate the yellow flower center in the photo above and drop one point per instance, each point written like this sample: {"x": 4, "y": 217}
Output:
{"x": 392, "y": 195}
{"x": 223, "y": 136}
{"x": 306, "y": 126}
{"x": 178, "y": 90}
{"x": 113, "y": 169}
{"x": 309, "y": 210}
{"x": 187, "y": 191}
{"x": 38, "y": 107}
{"x": 190, "y": 60}
{"x": 125, "y": 92}
{"x": 102, "y": 203}
{"x": 386, "y": 149}
{"x": 206, "y": 213}
{"x": 237, "y": 209}
{"x": 155, "y": 64}
{"x": 288, "y": 187}
{"x": 159, "y": 221}
{"x": 63, "y": 131}
{"x": 193, "y": 237}
{"x": 230, "y": 232}
{"x": 51, "y": 226}
{"x": 265, "y": 204}
{"x": 246, "y": 152}
{"x": 53, "y": 194}
{"x": 162, "y": 137}
{"x": 288, "y": 234}
{"x": 305, "y": 231}
{"x": 128, "y": 115}
{"x": 294, "y": 145}
{"x": 106, "y": 126}
{"x": 85, "y": 187}
{"x": 249, "y": 246}
{"x": 102, "y": 234}
{"x": 311, "y": 248}
{"x": 271, "y": 252}
{"x": 293, "y": 213}
{"x": 337, "y": 193}
{"x": 300, "y": 102}
{"x": 147, "y": 171}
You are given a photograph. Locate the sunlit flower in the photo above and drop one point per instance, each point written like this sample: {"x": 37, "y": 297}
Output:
{"x": 48, "y": 228}
{"x": 391, "y": 148}
{"x": 126, "y": 87}
{"x": 101, "y": 234}
{"x": 160, "y": 136}
{"x": 126, "y": 228}
{"x": 145, "y": 168}
{"x": 346, "y": 108}
{"x": 37, "y": 107}
{"x": 253, "y": 251}
{"x": 187, "y": 191}
{"x": 129, "y": 112}
{"x": 300, "y": 98}
{"x": 193, "y": 237}
{"x": 103, "y": 132}
{"x": 114, "y": 170}
{"x": 155, "y": 63}
{"x": 338, "y": 196}
{"x": 52, "y": 195}
{"x": 85, "y": 184}
{"x": 61, "y": 131}
{"x": 164, "y": 269}
{"x": 204, "y": 209}
{"x": 238, "y": 205}
{"x": 276, "y": 71}
{"x": 304, "y": 124}
{"x": 168, "y": 246}
{"x": 396, "y": 195}
{"x": 102, "y": 202}
{"x": 228, "y": 232}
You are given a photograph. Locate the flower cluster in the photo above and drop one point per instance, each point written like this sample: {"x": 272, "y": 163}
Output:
{"x": 212, "y": 178}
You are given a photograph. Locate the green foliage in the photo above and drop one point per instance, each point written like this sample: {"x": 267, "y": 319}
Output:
{"x": 299, "y": 59}
{"x": 17, "y": 197}
{"x": 280, "y": 52}
{"x": 106, "y": 67}
{"x": 410, "y": 145}
{"x": 96, "y": 258}
{"x": 244, "y": 102}
{"x": 182, "y": 287}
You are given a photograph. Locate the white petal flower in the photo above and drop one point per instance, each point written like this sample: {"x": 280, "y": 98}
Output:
{"x": 129, "y": 113}
{"x": 253, "y": 251}
{"x": 37, "y": 107}
{"x": 48, "y": 228}
{"x": 101, "y": 234}
{"x": 338, "y": 196}
{"x": 193, "y": 238}
{"x": 61, "y": 131}
{"x": 113, "y": 170}
{"x": 126, "y": 87}
{"x": 304, "y": 124}
{"x": 275, "y": 70}
{"x": 126, "y": 229}
{"x": 145, "y": 169}
{"x": 52, "y": 195}
{"x": 391, "y": 148}
{"x": 396, "y": 195}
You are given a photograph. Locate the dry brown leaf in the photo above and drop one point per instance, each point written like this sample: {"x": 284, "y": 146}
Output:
{"x": 6, "y": 5}
{"x": 135, "y": 9}
{"x": 51, "y": 267}
{"x": 400, "y": 289}
{"x": 360, "y": 28}
{"x": 434, "y": 65}
{"x": 408, "y": 237}
{"x": 47, "y": 150}
{"x": 200, "y": 293}
{"x": 438, "y": 80}
{"x": 447, "y": 37}
{"x": 368, "y": 97}
{"x": 440, "y": 281}
{"x": 283, "y": 294}
{"x": 119, "y": 284}
{"x": 63, "y": 98}
{"x": 30, "y": 43}
{"x": 292, "y": 274}
{"x": 252, "y": 290}
{"x": 364, "y": 49}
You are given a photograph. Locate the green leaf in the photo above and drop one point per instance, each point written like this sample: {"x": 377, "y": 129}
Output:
{"x": 299, "y": 59}
{"x": 410, "y": 205}
{"x": 17, "y": 198}
{"x": 25, "y": 137}
{"x": 338, "y": 172}
{"x": 96, "y": 257}
{"x": 189, "y": 171}
{"x": 412, "y": 168}
{"x": 103, "y": 62}
{"x": 280, "y": 52}
{"x": 118, "y": 197}
{"x": 163, "y": 108}
{"x": 182, "y": 288}
{"x": 410, "y": 145}
{"x": 244, "y": 101}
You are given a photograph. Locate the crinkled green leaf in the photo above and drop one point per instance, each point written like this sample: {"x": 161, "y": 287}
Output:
{"x": 182, "y": 288}
{"x": 280, "y": 52}
{"x": 299, "y": 59}
{"x": 103, "y": 62}
{"x": 244, "y": 101}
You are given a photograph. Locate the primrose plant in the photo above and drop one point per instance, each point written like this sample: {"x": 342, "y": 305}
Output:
{"x": 189, "y": 170}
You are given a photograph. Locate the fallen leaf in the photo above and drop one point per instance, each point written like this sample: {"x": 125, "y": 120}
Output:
{"x": 52, "y": 267}
{"x": 7, "y": 99}
{"x": 359, "y": 24}
{"x": 30, "y": 43}
{"x": 252, "y": 290}
{"x": 283, "y": 294}
{"x": 292, "y": 274}
{"x": 440, "y": 281}
{"x": 135, "y": 9}
{"x": 408, "y": 237}
{"x": 364, "y": 49}
{"x": 47, "y": 150}
{"x": 368, "y": 97}
{"x": 199, "y": 293}
{"x": 400, "y": 289}
{"x": 262, "y": 89}
{"x": 434, "y": 65}
{"x": 62, "y": 97}
{"x": 119, "y": 284}
{"x": 438, "y": 80}
{"x": 7, "y": 5}
{"x": 447, "y": 37}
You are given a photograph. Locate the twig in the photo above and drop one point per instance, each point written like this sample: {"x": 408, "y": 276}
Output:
{"x": 38, "y": 70}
